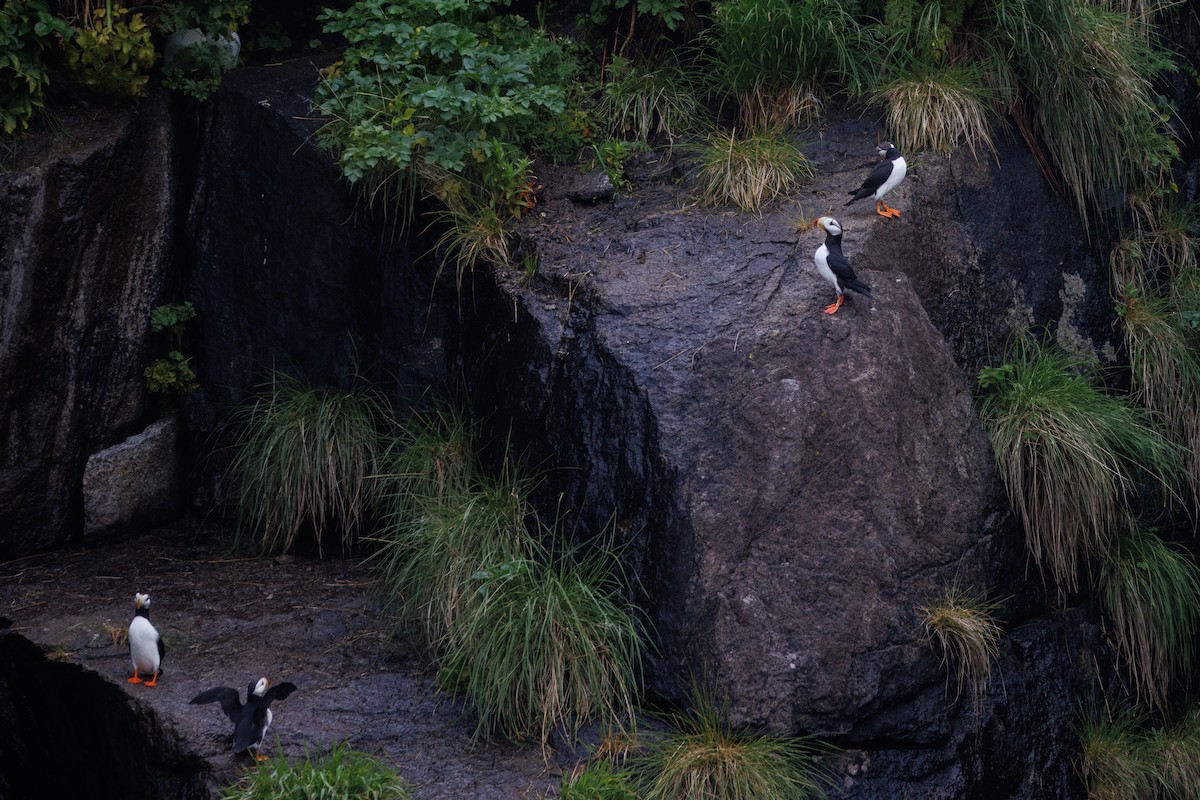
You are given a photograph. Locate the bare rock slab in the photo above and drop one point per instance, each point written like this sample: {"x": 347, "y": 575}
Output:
{"x": 132, "y": 485}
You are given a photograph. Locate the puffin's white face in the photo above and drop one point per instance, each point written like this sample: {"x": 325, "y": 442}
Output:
{"x": 141, "y": 600}
{"x": 830, "y": 225}
{"x": 260, "y": 688}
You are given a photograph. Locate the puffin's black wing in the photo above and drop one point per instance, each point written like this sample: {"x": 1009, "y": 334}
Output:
{"x": 231, "y": 704}
{"x": 840, "y": 266}
{"x": 249, "y": 728}
{"x": 873, "y": 182}
{"x": 162, "y": 651}
{"x": 279, "y": 691}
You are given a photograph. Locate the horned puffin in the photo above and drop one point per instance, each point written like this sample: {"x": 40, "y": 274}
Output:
{"x": 884, "y": 178}
{"x": 252, "y": 720}
{"x": 835, "y": 267}
{"x": 146, "y": 648}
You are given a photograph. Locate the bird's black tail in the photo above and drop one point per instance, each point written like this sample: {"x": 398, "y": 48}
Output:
{"x": 857, "y": 286}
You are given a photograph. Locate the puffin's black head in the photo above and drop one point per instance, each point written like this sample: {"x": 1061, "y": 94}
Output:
{"x": 885, "y": 148}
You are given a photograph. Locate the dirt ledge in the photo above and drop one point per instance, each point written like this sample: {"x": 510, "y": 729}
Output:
{"x": 227, "y": 619}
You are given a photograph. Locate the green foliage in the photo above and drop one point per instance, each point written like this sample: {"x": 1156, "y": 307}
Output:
{"x": 173, "y": 375}
{"x": 111, "y": 52}
{"x": 427, "y": 82}
{"x": 170, "y": 376}
{"x": 748, "y": 171}
{"x": 27, "y": 31}
{"x": 1085, "y": 75}
{"x": 597, "y": 781}
{"x": 546, "y": 647}
{"x": 668, "y": 13}
{"x": 964, "y": 626}
{"x": 214, "y": 17}
{"x": 1151, "y": 592}
{"x": 778, "y": 58}
{"x": 922, "y": 31}
{"x": 703, "y": 756}
{"x": 1120, "y": 761}
{"x": 305, "y": 460}
{"x": 1070, "y": 455}
{"x": 612, "y": 155}
{"x": 196, "y": 70}
{"x": 654, "y": 101}
{"x": 1179, "y": 753}
{"x": 936, "y": 109}
{"x": 341, "y": 774}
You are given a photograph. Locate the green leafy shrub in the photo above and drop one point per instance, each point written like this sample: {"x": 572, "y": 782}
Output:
{"x": 546, "y": 647}
{"x": 1071, "y": 456}
{"x": 341, "y": 774}
{"x": 612, "y": 156}
{"x": 701, "y": 755}
{"x": 426, "y": 82}
{"x": 779, "y": 59}
{"x": 27, "y": 31}
{"x": 748, "y": 171}
{"x": 111, "y": 52}
{"x": 305, "y": 460}
{"x": 964, "y": 626}
{"x": 1151, "y": 593}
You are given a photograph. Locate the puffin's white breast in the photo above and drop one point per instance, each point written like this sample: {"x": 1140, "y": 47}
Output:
{"x": 143, "y": 644}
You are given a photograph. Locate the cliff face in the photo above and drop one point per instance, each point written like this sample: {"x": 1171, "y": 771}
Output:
{"x": 791, "y": 486}
{"x": 86, "y": 226}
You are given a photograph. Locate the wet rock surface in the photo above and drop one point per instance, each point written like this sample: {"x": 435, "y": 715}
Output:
{"x": 228, "y": 619}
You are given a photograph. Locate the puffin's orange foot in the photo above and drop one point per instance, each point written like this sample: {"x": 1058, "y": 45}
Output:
{"x": 153, "y": 681}
{"x": 135, "y": 679}
{"x": 833, "y": 307}
{"x": 259, "y": 757}
{"x": 889, "y": 212}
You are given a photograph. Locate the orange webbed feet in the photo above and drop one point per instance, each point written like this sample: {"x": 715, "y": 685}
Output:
{"x": 135, "y": 679}
{"x": 834, "y": 306}
{"x": 153, "y": 681}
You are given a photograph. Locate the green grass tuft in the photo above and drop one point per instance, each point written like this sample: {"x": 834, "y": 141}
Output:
{"x": 937, "y": 109}
{"x": 1179, "y": 752}
{"x": 1070, "y": 455}
{"x": 1119, "y": 761}
{"x": 748, "y": 171}
{"x": 1151, "y": 592}
{"x": 341, "y": 774}
{"x": 648, "y": 102}
{"x": 965, "y": 629}
{"x": 546, "y": 647}
{"x": 304, "y": 460}
{"x": 702, "y": 756}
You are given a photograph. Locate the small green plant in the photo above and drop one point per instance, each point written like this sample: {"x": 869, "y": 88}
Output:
{"x": 341, "y": 774}
{"x": 547, "y": 646}
{"x": 1071, "y": 456}
{"x": 703, "y": 756}
{"x": 748, "y": 171}
{"x": 196, "y": 70}
{"x": 967, "y": 634}
{"x": 1119, "y": 760}
{"x": 111, "y": 52}
{"x": 172, "y": 375}
{"x": 612, "y": 155}
{"x": 304, "y": 460}
{"x": 597, "y": 781}
{"x": 1151, "y": 593}
{"x": 214, "y": 17}
{"x": 27, "y": 31}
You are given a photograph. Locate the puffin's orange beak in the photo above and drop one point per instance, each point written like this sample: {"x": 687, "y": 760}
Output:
{"x": 817, "y": 223}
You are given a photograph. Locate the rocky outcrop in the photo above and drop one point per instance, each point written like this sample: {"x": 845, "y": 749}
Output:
{"x": 793, "y": 486}
{"x": 86, "y": 224}
{"x": 134, "y": 485}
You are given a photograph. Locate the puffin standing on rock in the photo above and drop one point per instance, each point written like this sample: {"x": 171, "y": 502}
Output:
{"x": 252, "y": 720}
{"x": 146, "y": 648}
{"x": 884, "y": 178}
{"x": 833, "y": 266}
